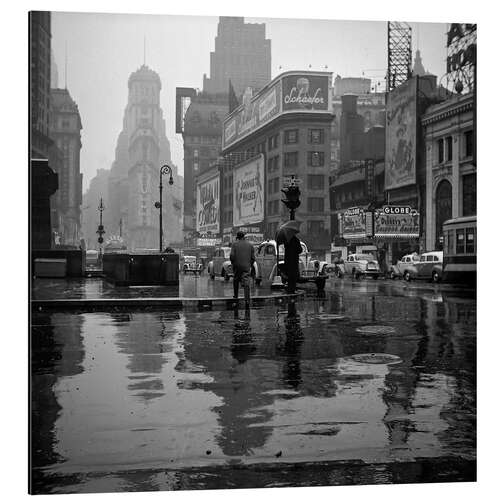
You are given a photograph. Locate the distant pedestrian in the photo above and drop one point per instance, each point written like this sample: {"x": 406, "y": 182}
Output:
{"x": 242, "y": 258}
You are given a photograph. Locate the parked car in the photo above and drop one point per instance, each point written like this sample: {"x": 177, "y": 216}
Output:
{"x": 361, "y": 264}
{"x": 405, "y": 266}
{"x": 265, "y": 262}
{"x": 220, "y": 265}
{"x": 191, "y": 265}
{"x": 429, "y": 266}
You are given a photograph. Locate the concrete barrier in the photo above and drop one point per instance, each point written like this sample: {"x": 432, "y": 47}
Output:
{"x": 75, "y": 260}
{"x": 129, "y": 269}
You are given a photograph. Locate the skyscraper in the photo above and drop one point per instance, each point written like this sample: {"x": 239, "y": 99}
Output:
{"x": 142, "y": 148}
{"x": 242, "y": 54}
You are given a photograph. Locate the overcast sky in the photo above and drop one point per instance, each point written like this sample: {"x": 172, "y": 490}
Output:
{"x": 103, "y": 49}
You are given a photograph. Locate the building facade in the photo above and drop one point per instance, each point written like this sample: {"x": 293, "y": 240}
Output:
{"x": 202, "y": 138}
{"x": 450, "y": 169}
{"x": 142, "y": 148}
{"x": 65, "y": 131}
{"x": 288, "y": 124}
{"x": 242, "y": 54}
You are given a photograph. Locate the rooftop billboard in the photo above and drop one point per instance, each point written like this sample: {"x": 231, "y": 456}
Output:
{"x": 288, "y": 93}
{"x": 401, "y": 135}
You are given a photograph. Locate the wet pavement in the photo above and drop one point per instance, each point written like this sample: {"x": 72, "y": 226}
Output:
{"x": 373, "y": 383}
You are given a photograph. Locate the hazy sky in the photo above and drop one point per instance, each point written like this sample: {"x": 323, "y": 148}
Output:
{"x": 103, "y": 49}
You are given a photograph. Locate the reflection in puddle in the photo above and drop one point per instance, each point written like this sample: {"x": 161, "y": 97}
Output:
{"x": 122, "y": 392}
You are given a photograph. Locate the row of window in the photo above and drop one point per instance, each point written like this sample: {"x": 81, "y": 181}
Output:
{"x": 292, "y": 136}
{"x": 445, "y": 147}
{"x": 464, "y": 241}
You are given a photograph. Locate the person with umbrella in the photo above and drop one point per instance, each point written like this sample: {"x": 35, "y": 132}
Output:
{"x": 287, "y": 236}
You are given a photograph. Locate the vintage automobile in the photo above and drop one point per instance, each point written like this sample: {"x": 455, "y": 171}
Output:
{"x": 429, "y": 266}
{"x": 362, "y": 264}
{"x": 265, "y": 262}
{"x": 220, "y": 265}
{"x": 402, "y": 267}
{"x": 191, "y": 264}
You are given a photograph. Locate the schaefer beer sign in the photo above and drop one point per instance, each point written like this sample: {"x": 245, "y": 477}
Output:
{"x": 208, "y": 205}
{"x": 307, "y": 92}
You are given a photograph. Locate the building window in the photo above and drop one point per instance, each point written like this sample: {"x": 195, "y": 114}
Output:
{"x": 315, "y": 158}
{"x": 261, "y": 148}
{"x": 291, "y": 159}
{"x": 470, "y": 239}
{"x": 449, "y": 148}
{"x": 469, "y": 143}
{"x": 195, "y": 153}
{"x": 273, "y": 164}
{"x": 273, "y": 185}
{"x": 315, "y": 204}
{"x": 291, "y": 136}
{"x": 316, "y": 136}
{"x": 469, "y": 194}
{"x": 315, "y": 226}
{"x": 272, "y": 142}
{"x": 440, "y": 143}
{"x": 315, "y": 182}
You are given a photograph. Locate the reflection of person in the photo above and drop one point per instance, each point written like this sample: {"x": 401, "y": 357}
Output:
{"x": 293, "y": 249}
{"x": 242, "y": 258}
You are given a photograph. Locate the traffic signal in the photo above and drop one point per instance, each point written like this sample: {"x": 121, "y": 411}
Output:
{"x": 292, "y": 194}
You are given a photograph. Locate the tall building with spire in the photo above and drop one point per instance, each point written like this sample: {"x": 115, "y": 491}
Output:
{"x": 242, "y": 54}
{"x": 142, "y": 148}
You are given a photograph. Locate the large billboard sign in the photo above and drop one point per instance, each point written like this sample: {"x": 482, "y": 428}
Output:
{"x": 306, "y": 92}
{"x": 248, "y": 195}
{"x": 396, "y": 222}
{"x": 254, "y": 113}
{"x": 401, "y": 135}
{"x": 353, "y": 223}
{"x": 208, "y": 205}
{"x": 290, "y": 92}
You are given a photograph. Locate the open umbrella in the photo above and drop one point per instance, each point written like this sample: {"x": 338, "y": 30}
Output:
{"x": 287, "y": 230}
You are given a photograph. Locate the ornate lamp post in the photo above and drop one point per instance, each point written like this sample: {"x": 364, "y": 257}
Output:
{"x": 100, "y": 229}
{"x": 165, "y": 169}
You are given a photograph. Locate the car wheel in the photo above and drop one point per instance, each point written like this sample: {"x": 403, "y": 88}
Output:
{"x": 407, "y": 276}
{"x": 435, "y": 277}
{"x": 375, "y": 276}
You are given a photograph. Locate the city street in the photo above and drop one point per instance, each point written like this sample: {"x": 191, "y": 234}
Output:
{"x": 373, "y": 383}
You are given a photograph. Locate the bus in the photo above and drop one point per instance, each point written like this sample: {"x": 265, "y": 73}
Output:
{"x": 460, "y": 248}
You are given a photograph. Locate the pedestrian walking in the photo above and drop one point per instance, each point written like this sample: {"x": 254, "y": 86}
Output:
{"x": 242, "y": 258}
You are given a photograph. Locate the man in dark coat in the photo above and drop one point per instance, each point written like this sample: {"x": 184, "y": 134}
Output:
{"x": 242, "y": 258}
{"x": 293, "y": 249}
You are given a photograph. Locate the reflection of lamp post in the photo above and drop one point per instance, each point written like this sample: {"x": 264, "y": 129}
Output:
{"x": 100, "y": 229}
{"x": 165, "y": 169}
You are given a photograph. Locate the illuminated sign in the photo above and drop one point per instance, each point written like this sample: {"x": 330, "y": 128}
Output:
{"x": 396, "y": 222}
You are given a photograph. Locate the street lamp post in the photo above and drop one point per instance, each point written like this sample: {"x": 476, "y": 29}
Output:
{"x": 165, "y": 169}
{"x": 100, "y": 229}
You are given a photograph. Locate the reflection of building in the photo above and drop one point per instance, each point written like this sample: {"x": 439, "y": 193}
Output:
{"x": 450, "y": 171}
{"x": 98, "y": 188}
{"x": 65, "y": 130}
{"x": 142, "y": 148}
{"x": 242, "y": 54}
{"x": 289, "y": 122}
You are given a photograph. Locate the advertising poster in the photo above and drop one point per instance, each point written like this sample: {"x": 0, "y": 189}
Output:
{"x": 397, "y": 222}
{"x": 401, "y": 135}
{"x": 353, "y": 223}
{"x": 255, "y": 112}
{"x": 308, "y": 92}
{"x": 248, "y": 196}
{"x": 208, "y": 206}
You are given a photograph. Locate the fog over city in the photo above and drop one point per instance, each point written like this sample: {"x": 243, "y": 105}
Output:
{"x": 96, "y": 53}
